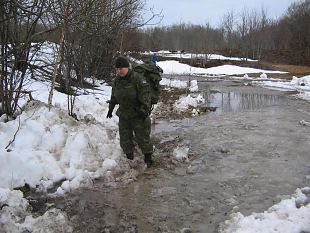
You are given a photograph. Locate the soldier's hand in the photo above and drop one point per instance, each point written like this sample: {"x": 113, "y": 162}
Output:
{"x": 109, "y": 115}
{"x": 145, "y": 118}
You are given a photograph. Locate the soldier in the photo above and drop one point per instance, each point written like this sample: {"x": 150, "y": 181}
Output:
{"x": 132, "y": 92}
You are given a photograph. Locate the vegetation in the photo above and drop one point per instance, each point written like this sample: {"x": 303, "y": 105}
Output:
{"x": 89, "y": 35}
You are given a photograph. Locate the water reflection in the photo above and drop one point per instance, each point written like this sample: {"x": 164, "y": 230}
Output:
{"x": 224, "y": 102}
{"x": 236, "y": 102}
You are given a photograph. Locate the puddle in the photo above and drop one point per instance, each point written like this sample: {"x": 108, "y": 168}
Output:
{"x": 223, "y": 102}
{"x": 237, "y": 102}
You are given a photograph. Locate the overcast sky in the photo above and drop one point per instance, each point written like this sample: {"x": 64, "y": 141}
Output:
{"x": 202, "y": 11}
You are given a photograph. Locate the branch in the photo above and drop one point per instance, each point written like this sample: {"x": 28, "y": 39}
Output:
{"x": 25, "y": 9}
{"x": 154, "y": 15}
{"x": 46, "y": 31}
{"x": 14, "y": 134}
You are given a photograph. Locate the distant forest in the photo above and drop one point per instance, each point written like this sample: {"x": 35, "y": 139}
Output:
{"x": 250, "y": 34}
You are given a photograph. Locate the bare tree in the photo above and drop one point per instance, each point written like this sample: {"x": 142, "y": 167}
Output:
{"x": 95, "y": 34}
{"x": 243, "y": 30}
{"x": 18, "y": 30}
{"x": 59, "y": 51}
{"x": 92, "y": 34}
{"x": 228, "y": 30}
{"x": 299, "y": 15}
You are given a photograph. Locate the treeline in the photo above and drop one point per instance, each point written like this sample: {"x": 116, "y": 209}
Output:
{"x": 250, "y": 34}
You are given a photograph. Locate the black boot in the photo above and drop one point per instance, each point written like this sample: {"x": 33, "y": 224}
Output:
{"x": 148, "y": 159}
{"x": 129, "y": 156}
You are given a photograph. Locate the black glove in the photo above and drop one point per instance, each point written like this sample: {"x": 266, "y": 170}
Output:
{"x": 146, "y": 119}
{"x": 109, "y": 115}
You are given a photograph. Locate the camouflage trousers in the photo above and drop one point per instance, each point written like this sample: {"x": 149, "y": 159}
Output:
{"x": 136, "y": 129}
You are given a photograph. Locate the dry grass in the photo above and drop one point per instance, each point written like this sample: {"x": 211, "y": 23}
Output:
{"x": 294, "y": 69}
{"x": 287, "y": 76}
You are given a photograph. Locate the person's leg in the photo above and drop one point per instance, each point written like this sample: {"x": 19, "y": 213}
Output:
{"x": 142, "y": 129}
{"x": 126, "y": 137}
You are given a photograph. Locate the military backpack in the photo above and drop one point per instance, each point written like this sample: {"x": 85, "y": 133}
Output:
{"x": 152, "y": 74}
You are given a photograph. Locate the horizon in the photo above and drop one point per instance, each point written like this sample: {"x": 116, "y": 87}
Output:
{"x": 201, "y": 12}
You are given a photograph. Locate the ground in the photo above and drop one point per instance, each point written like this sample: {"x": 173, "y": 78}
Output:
{"x": 243, "y": 157}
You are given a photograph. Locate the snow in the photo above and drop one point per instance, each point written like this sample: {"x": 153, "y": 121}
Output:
{"x": 14, "y": 216}
{"x": 193, "y": 86}
{"x": 289, "y": 216}
{"x": 177, "y": 68}
{"x": 184, "y": 102}
{"x": 302, "y": 85}
{"x": 173, "y": 83}
{"x": 304, "y": 123}
{"x": 263, "y": 76}
{"x": 190, "y": 100}
{"x": 52, "y": 146}
{"x": 181, "y": 153}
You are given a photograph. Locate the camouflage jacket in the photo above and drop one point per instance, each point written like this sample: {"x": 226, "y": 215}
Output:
{"x": 132, "y": 93}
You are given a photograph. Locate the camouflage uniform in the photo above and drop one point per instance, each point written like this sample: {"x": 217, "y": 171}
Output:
{"x": 133, "y": 96}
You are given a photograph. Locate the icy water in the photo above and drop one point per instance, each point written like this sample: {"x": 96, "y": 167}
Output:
{"x": 244, "y": 157}
{"x": 236, "y": 102}
{"x": 225, "y": 101}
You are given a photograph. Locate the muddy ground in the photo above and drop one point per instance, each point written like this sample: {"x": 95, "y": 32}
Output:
{"x": 245, "y": 157}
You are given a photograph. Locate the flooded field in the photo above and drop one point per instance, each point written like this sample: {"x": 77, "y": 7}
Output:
{"x": 244, "y": 157}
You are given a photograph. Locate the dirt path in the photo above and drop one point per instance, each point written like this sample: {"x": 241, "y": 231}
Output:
{"x": 244, "y": 157}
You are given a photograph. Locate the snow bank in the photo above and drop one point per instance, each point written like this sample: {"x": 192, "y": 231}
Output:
{"x": 288, "y": 216}
{"x": 14, "y": 216}
{"x": 175, "y": 67}
{"x": 52, "y": 146}
{"x": 303, "y": 81}
{"x": 302, "y": 85}
{"x": 49, "y": 147}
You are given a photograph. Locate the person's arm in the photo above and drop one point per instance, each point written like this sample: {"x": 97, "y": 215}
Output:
{"x": 112, "y": 102}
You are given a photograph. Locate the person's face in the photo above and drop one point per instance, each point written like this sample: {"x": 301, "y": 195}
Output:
{"x": 122, "y": 71}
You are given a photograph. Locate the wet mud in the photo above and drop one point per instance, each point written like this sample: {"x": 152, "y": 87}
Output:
{"x": 244, "y": 157}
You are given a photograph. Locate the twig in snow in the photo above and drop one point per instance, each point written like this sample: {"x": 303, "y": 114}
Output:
{"x": 14, "y": 134}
